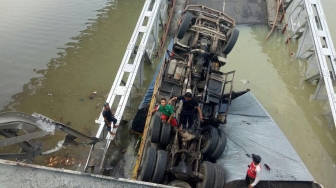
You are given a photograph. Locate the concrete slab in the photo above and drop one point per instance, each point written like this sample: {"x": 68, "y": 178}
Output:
{"x": 271, "y": 10}
{"x": 13, "y": 174}
{"x": 247, "y": 11}
{"x": 242, "y": 11}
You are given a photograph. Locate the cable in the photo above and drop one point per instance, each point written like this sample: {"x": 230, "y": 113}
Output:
{"x": 275, "y": 19}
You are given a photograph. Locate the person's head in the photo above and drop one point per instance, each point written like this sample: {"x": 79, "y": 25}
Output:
{"x": 187, "y": 96}
{"x": 163, "y": 102}
{"x": 256, "y": 159}
{"x": 106, "y": 106}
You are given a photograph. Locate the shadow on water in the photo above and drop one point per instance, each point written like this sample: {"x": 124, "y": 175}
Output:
{"x": 87, "y": 63}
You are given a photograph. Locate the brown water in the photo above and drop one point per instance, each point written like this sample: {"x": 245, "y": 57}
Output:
{"x": 72, "y": 48}
{"x": 58, "y": 84}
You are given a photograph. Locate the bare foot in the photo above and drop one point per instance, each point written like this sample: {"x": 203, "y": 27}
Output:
{"x": 112, "y": 133}
{"x": 115, "y": 126}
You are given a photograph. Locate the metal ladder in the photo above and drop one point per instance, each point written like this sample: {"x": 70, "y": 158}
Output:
{"x": 226, "y": 83}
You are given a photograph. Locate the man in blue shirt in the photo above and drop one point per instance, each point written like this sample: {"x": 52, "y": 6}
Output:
{"x": 109, "y": 118}
{"x": 188, "y": 109}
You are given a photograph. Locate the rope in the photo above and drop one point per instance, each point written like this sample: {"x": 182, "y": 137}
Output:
{"x": 275, "y": 19}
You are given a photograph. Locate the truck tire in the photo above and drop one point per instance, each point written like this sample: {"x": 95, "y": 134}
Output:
{"x": 165, "y": 133}
{"x": 209, "y": 140}
{"x": 219, "y": 176}
{"x": 232, "y": 41}
{"x": 208, "y": 171}
{"x": 220, "y": 147}
{"x": 148, "y": 165}
{"x": 184, "y": 25}
{"x": 160, "y": 166}
{"x": 156, "y": 127}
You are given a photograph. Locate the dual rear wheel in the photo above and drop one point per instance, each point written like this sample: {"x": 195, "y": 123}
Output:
{"x": 160, "y": 130}
{"x": 213, "y": 142}
{"x": 153, "y": 165}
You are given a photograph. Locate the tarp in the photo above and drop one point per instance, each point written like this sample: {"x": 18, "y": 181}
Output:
{"x": 250, "y": 129}
{"x": 148, "y": 96}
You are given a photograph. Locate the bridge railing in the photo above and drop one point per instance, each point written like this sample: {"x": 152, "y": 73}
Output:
{"x": 307, "y": 24}
{"x": 140, "y": 48}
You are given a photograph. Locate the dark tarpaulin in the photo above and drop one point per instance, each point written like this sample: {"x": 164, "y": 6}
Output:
{"x": 250, "y": 129}
{"x": 139, "y": 120}
{"x": 148, "y": 96}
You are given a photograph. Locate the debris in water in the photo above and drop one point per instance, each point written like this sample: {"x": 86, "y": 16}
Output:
{"x": 50, "y": 94}
{"x": 98, "y": 106}
{"x": 93, "y": 95}
{"x": 82, "y": 99}
{"x": 244, "y": 81}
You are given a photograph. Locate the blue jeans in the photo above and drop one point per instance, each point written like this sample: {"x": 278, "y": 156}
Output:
{"x": 187, "y": 117}
{"x": 114, "y": 121}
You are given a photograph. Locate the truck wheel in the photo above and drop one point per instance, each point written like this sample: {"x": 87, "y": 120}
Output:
{"x": 218, "y": 151}
{"x": 219, "y": 176}
{"x": 179, "y": 183}
{"x": 209, "y": 140}
{"x": 156, "y": 127}
{"x": 160, "y": 166}
{"x": 148, "y": 165}
{"x": 208, "y": 171}
{"x": 184, "y": 25}
{"x": 165, "y": 133}
{"x": 232, "y": 41}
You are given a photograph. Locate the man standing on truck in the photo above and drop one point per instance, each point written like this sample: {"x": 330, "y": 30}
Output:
{"x": 253, "y": 171}
{"x": 109, "y": 118}
{"x": 168, "y": 114}
{"x": 188, "y": 109}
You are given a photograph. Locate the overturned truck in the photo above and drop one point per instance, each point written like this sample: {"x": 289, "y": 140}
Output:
{"x": 215, "y": 153}
{"x": 204, "y": 38}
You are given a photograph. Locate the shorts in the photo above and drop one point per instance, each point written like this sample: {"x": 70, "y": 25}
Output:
{"x": 173, "y": 121}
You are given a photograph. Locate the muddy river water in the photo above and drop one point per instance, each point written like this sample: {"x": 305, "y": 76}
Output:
{"x": 55, "y": 54}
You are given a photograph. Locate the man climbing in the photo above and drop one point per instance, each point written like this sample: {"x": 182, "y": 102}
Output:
{"x": 168, "y": 114}
{"x": 253, "y": 171}
{"x": 188, "y": 109}
{"x": 108, "y": 118}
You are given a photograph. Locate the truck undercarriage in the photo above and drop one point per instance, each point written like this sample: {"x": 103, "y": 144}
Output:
{"x": 204, "y": 38}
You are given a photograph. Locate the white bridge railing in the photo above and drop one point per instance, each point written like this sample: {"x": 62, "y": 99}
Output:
{"x": 307, "y": 23}
{"x": 142, "y": 44}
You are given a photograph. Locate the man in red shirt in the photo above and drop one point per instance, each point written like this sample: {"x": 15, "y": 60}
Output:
{"x": 253, "y": 171}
